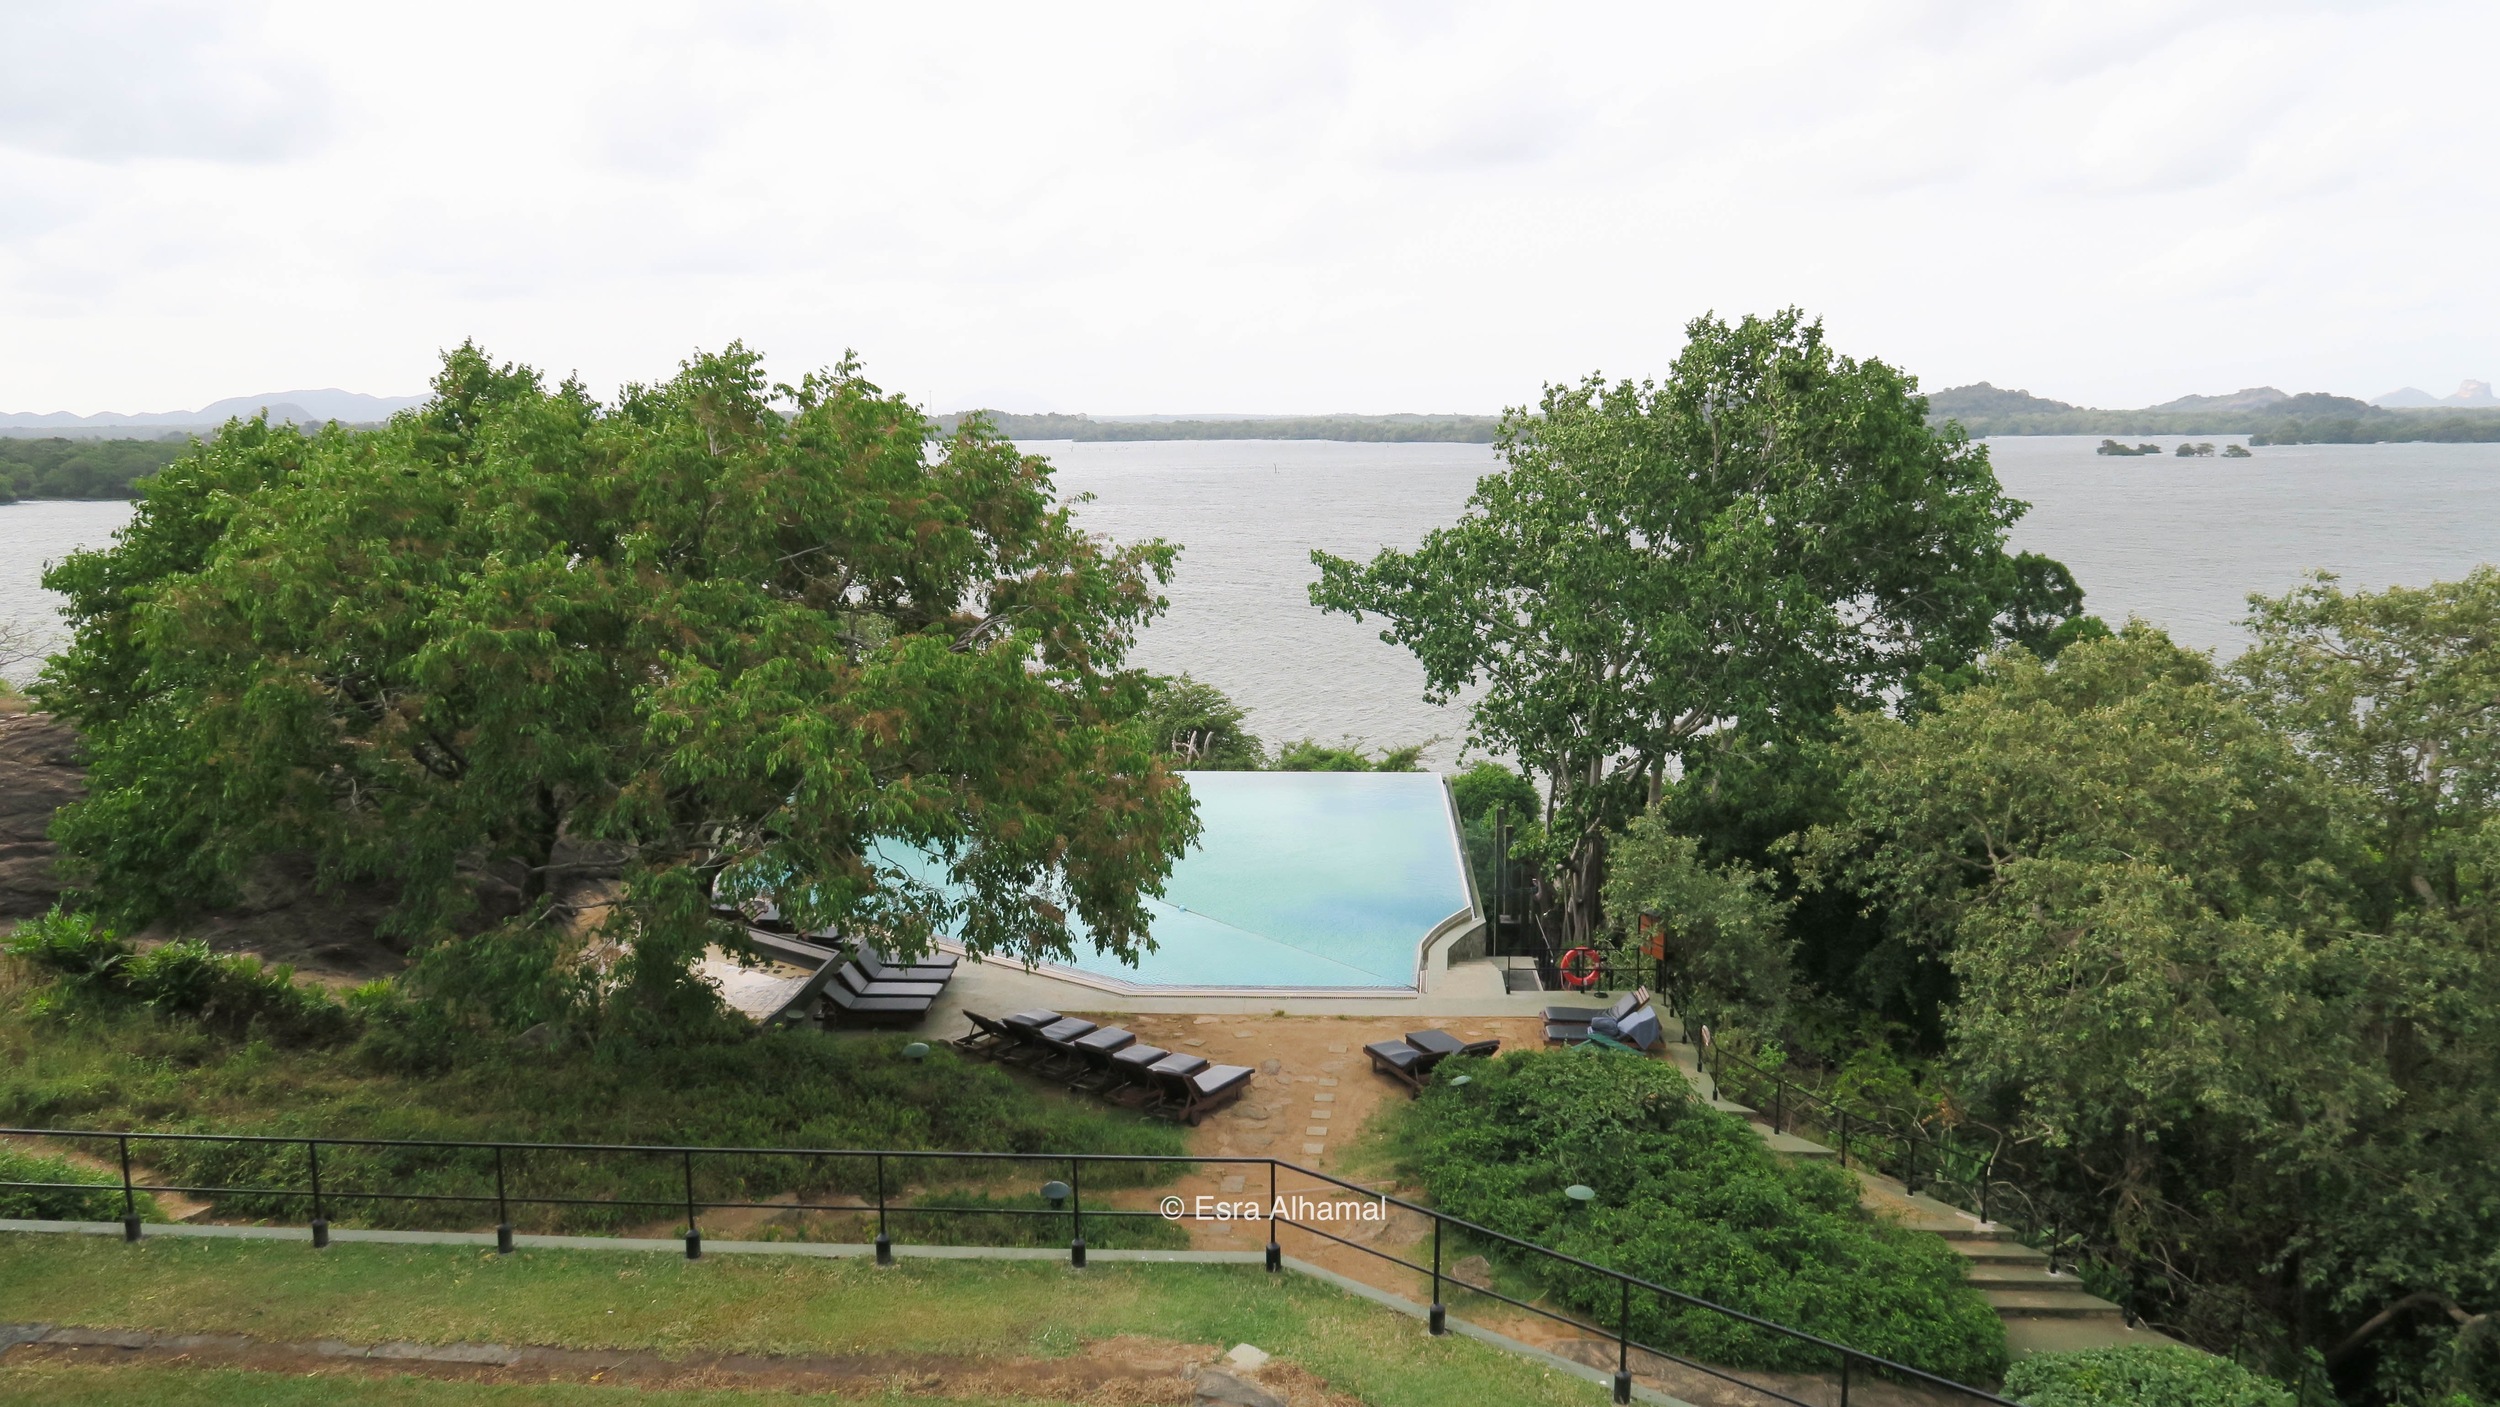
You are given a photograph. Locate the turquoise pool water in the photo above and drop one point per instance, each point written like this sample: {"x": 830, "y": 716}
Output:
{"x": 1303, "y": 879}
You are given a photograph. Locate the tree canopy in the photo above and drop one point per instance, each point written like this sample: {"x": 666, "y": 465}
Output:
{"x": 1770, "y": 535}
{"x": 2227, "y": 947}
{"x": 728, "y": 636}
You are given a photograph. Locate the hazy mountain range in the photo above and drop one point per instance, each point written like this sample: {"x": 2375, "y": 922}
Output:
{"x": 300, "y": 407}
{"x": 2411, "y": 398}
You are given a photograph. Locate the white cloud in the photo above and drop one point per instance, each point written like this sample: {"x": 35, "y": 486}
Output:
{"x": 1271, "y": 207}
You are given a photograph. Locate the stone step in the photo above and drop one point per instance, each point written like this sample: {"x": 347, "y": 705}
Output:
{"x": 2005, "y": 1252}
{"x": 1792, "y": 1145}
{"x": 2020, "y": 1277}
{"x": 2048, "y": 1304}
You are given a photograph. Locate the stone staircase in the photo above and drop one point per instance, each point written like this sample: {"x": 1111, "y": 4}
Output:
{"x": 2044, "y": 1311}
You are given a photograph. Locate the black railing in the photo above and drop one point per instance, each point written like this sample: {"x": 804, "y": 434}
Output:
{"x": 509, "y": 1163}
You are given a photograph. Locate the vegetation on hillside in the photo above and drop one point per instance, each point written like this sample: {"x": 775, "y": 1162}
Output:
{"x": 2312, "y": 417}
{"x": 81, "y": 468}
{"x": 1689, "y": 1198}
{"x": 2221, "y": 948}
{"x": 2150, "y": 1376}
{"x": 91, "y": 1037}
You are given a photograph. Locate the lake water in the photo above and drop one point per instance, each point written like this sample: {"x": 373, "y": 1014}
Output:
{"x": 2181, "y": 542}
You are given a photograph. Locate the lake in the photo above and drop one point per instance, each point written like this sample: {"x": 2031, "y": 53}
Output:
{"x": 2181, "y": 542}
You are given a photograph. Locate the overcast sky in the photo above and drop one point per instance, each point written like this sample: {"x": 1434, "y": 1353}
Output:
{"x": 1264, "y": 208}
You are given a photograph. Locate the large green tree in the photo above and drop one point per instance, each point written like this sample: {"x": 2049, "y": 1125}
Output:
{"x": 728, "y": 636}
{"x": 1771, "y": 534}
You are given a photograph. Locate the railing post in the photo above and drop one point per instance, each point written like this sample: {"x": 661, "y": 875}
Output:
{"x": 130, "y": 1199}
{"x": 885, "y": 1243}
{"x": 1076, "y": 1214}
{"x": 1623, "y": 1345}
{"x": 1844, "y": 1377}
{"x": 1440, "y": 1320}
{"x": 1275, "y": 1253}
{"x": 503, "y": 1213}
{"x": 1844, "y": 1138}
{"x": 694, "y": 1233}
{"x": 1779, "y": 1104}
{"x": 320, "y": 1223}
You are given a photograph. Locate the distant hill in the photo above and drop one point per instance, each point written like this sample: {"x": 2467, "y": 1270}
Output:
{"x": 1443, "y": 429}
{"x": 2263, "y": 413}
{"x": 299, "y": 407}
{"x": 2250, "y": 398}
{"x": 1963, "y": 402}
{"x": 2468, "y": 393}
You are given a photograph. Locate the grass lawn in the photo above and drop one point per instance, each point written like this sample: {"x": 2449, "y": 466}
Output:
{"x": 611, "y": 1300}
{"x": 77, "y": 1385}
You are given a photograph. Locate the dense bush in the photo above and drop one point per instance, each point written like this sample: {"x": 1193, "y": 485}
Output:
{"x": 1690, "y": 1198}
{"x": 2150, "y": 1376}
{"x": 59, "y": 1203}
{"x": 234, "y": 996}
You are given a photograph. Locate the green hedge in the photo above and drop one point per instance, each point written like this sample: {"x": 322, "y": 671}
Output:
{"x": 234, "y": 996}
{"x": 2150, "y": 1376}
{"x": 1690, "y": 1198}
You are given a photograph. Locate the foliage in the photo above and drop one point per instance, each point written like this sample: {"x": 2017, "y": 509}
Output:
{"x": 2227, "y": 948}
{"x": 1727, "y": 945}
{"x": 1690, "y": 1198}
{"x": 1307, "y": 755}
{"x": 1478, "y": 792}
{"x": 1770, "y": 534}
{"x": 81, "y": 468}
{"x": 1200, "y": 727}
{"x": 720, "y": 633}
{"x": 234, "y": 995}
{"x": 2148, "y": 1376}
{"x": 123, "y": 1065}
{"x": 61, "y": 1203}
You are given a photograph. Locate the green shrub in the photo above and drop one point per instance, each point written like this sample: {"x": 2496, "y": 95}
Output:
{"x": 235, "y": 996}
{"x": 60, "y": 1203}
{"x": 2149, "y": 1376}
{"x": 1690, "y": 1198}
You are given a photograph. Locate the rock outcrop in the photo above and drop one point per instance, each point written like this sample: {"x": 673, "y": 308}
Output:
{"x": 39, "y": 773}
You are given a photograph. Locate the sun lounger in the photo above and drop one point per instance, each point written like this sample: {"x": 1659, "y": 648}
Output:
{"x": 1567, "y": 1025}
{"x": 986, "y": 1039}
{"x": 1190, "y": 1095}
{"x": 1025, "y": 1029}
{"x": 1059, "y": 1039}
{"x": 1095, "y": 1051}
{"x": 842, "y": 1005}
{"x": 1410, "y": 1061}
{"x": 850, "y": 976}
{"x": 1133, "y": 1070}
{"x": 935, "y": 967}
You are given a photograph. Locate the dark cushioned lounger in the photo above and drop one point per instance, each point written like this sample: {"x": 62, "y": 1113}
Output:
{"x": 1191, "y": 1095}
{"x": 1060, "y": 1037}
{"x": 1026, "y": 1028}
{"x": 851, "y": 977}
{"x": 1127, "y": 1073}
{"x": 986, "y": 1038}
{"x": 1624, "y": 1006}
{"x": 843, "y": 1005}
{"x": 1403, "y": 1063}
{"x": 936, "y": 967}
{"x": 1094, "y": 1052}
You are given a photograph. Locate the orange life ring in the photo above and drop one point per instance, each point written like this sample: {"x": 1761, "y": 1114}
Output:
{"x": 1580, "y": 967}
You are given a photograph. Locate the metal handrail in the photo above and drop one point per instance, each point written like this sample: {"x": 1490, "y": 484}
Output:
{"x": 503, "y": 1199}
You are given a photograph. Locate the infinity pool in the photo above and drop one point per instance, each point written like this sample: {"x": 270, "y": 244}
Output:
{"x": 1302, "y": 880}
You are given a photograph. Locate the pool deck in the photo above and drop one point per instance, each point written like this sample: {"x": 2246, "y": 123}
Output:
{"x": 1461, "y": 989}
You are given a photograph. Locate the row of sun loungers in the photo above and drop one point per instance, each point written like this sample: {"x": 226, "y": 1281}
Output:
{"x": 855, "y": 984}
{"x": 1109, "y": 1061}
{"x": 1411, "y": 1061}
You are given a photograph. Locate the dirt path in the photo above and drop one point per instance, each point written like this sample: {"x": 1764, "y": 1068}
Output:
{"x": 174, "y": 1205}
{"x": 1127, "y": 1371}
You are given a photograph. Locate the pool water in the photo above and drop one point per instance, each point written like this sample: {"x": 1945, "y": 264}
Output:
{"x": 1300, "y": 880}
